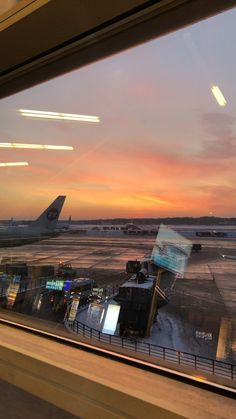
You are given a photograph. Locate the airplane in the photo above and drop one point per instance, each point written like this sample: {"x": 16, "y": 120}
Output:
{"x": 41, "y": 228}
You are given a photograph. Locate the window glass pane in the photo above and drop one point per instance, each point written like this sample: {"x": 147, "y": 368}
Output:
{"x": 142, "y": 145}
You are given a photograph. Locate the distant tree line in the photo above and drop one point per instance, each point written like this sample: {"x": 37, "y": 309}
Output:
{"x": 170, "y": 220}
{"x": 147, "y": 221}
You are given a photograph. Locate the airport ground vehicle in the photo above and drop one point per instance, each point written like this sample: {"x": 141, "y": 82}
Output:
{"x": 63, "y": 291}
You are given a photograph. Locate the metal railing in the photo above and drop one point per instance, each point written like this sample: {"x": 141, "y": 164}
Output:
{"x": 197, "y": 362}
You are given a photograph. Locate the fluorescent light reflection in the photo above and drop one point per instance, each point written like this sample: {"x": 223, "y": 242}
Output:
{"x": 36, "y": 146}
{"x": 58, "y": 115}
{"x": 218, "y": 95}
{"x": 19, "y": 163}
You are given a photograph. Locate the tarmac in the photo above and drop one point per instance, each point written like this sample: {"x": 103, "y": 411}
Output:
{"x": 200, "y": 317}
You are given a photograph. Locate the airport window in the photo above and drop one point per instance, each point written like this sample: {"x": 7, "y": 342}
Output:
{"x": 117, "y": 216}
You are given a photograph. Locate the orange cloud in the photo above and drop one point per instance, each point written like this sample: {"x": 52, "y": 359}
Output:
{"x": 120, "y": 179}
{"x": 153, "y": 199}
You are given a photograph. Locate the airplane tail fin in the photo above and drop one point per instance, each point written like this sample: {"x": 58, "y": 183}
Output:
{"x": 48, "y": 219}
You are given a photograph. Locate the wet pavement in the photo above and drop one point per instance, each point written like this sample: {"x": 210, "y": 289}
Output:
{"x": 200, "y": 317}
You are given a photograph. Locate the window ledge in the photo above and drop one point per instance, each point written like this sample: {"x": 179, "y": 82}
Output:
{"x": 88, "y": 385}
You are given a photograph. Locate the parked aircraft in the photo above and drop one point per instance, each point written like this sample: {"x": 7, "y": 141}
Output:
{"x": 42, "y": 227}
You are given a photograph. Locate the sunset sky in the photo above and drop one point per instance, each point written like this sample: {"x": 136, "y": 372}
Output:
{"x": 164, "y": 147}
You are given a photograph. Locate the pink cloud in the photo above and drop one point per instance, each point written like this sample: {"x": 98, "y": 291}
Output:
{"x": 222, "y": 142}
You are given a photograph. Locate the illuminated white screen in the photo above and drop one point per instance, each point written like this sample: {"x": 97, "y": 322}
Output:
{"x": 111, "y": 319}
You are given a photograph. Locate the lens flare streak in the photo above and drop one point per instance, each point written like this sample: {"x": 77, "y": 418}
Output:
{"x": 218, "y": 96}
{"x": 36, "y": 146}
{"x": 58, "y": 115}
{"x": 10, "y": 164}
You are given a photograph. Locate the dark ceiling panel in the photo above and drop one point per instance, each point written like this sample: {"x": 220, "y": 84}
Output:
{"x": 61, "y": 36}
{"x": 55, "y": 23}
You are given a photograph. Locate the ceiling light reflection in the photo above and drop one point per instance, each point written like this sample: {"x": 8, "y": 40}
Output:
{"x": 36, "y": 146}
{"x": 218, "y": 95}
{"x": 58, "y": 115}
{"x": 19, "y": 163}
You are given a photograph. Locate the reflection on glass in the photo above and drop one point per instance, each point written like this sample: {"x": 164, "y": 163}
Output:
{"x": 10, "y": 164}
{"x": 171, "y": 250}
{"x": 150, "y": 201}
{"x": 36, "y": 146}
{"x": 218, "y": 96}
{"x": 58, "y": 115}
